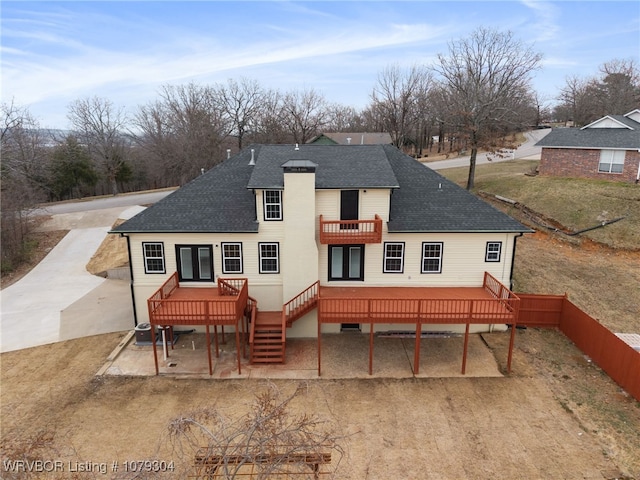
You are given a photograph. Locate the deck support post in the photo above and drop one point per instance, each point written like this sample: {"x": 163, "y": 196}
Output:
{"x": 371, "y": 348}
{"x": 464, "y": 349}
{"x": 238, "y": 345}
{"x": 224, "y": 340}
{"x": 155, "y": 350}
{"x": 511, "y": 341}
{"x": 215, "y": 340}
{"x": 319, "y": 341}
{"x": 416, "y": 353}
{"x": 209, "y": 350}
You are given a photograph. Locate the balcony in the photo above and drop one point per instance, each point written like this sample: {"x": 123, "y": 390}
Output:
{"x": 343, "y": 232}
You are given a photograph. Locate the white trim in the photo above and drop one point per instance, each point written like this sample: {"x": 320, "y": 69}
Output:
{"x": 606, "y": 117}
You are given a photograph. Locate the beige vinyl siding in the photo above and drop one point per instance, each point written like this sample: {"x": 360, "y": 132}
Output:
{"x": 266, "y": 288}
{"x": 371, "y": 202}
{"x": 463, "y": 261}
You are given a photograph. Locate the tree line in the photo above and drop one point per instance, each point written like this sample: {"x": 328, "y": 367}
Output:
{"x": 473, "y": 97}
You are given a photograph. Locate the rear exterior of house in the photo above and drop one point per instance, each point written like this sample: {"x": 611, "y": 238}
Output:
{"x": 607, "y": 149}
{"x": 284, "y": 217}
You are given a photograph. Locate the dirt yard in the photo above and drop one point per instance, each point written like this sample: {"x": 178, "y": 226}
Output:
{"x": 557, "y": 416}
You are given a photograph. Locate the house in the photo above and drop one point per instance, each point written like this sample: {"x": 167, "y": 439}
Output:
{"x": 607, "y": 149}
{"x": 316, "y": 239}
{"x": 351, "y": 138}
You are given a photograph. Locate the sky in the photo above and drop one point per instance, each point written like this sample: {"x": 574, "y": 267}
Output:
{"x": 53, "y": 52}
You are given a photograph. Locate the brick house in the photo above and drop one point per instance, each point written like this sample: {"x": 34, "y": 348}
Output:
{"x": 607, "y": 149}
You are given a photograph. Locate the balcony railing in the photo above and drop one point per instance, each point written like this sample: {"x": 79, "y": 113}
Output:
{"x": 341, "y": 232}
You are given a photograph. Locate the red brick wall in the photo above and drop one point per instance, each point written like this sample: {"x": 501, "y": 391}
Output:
{"x": 565, "y": 162}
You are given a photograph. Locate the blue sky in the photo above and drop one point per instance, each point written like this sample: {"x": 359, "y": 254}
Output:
{"x": 56, "y": 52}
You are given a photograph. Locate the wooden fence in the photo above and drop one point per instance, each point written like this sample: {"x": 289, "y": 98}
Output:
{"x": 618, "y": 359}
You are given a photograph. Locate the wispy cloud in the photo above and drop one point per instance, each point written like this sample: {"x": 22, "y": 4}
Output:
{"x": 545, "y": 26}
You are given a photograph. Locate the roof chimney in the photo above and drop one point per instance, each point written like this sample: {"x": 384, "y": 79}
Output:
{"x": 297, "y": 147}
{"x": 228, "y": 153}
{"x": 348, "y": 140}
{"x": 253, "y": 157}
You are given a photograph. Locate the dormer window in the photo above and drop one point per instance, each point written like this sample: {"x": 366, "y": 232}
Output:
{"x": 272, "y": 205}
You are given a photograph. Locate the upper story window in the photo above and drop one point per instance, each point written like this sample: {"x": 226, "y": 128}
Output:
{"x": 232, "y": 258}
{"x": 432, "y": 257}
{"x": 272, "y": 204}
{"x": 611, "y": 161}
{"x": 195, "y": 263}
{"x": 393, "y": 257}
{"x": 153, "y": 253}
{"x": 493, "y": 251}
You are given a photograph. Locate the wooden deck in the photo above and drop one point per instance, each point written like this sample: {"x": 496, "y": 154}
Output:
{"x": 489, "y": 304}
{"x": 173, "y": 304}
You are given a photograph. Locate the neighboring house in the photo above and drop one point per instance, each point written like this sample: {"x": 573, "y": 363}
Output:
{"x": 351, "y": 138}
{"x": 334, "y": 220}
{"x": 607, "y": 149}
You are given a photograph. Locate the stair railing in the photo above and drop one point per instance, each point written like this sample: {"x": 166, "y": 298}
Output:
{"x": 291, "y": 310}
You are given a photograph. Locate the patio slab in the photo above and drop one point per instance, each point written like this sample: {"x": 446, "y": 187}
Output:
{"x": 344, "y": 356}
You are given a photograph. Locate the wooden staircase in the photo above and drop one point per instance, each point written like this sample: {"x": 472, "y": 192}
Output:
{"x": 267, "y": 334}
{"x": 267, "y": 340}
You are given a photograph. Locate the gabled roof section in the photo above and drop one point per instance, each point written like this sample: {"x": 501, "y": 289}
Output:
{"x": 217, "y": 201}
{"x": 613, "y": 121}
{"x": 634, "y": 115}
{"x": 626, "y": 137}
{"x": 428, "y": 202}
{"x": 338, "y": 166}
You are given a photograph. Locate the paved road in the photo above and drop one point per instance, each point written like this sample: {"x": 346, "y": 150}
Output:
{"x": 125, "y": 200}
{"x": 526, "y": 150}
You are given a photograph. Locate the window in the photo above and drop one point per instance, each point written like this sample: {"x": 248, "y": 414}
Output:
{"x": 493, "y": 252}
{"x": 432, "y": 257}
{"x": 195, "y": 263}
{"x": 611, "y": 161}
{"x": 346, "y": 262}
{"x": 231, "y": 258}
{"x": 153, "y": 257}
{"x": 393, "y": 258}
{"x": 273, "y": 205}
{"x": 269, "y": 258}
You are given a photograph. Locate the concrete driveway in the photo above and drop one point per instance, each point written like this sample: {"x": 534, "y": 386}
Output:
{"x": 59, "y": 300}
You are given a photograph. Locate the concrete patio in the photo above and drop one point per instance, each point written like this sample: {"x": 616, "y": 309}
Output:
{"x": 344, "y": 356}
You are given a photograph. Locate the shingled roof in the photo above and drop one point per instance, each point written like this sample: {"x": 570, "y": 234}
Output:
{"x": 222, "y": 199}
{"x": 625, "y": 135}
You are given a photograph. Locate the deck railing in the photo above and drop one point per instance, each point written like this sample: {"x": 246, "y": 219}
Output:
{"x": 394, "y": 310}
{"x": 500, "y": 292}
{"x": 342, "y": 232}
{"x": 226, "y": 309}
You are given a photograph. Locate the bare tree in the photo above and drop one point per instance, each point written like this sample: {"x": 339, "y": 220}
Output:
{"x": 484, "y": 82}
{"x": 269, "y": 440}
{"x": 615, "y": 91}
{"x": 101, "y": 127}
{"x": 23, "y": 171}
{"x": 397, "y": 99}
{"x": 270, "y": 128}
{"x": 304, "y": 114}
{"x": 241, "y": 101}
{"x": 182, "y": 132}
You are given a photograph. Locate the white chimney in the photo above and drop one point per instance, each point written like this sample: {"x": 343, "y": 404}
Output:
{"x": 253, "y": 158}
{"x": 297, "y": 147}
{"x": 228, "y": 153}
{"x": 348, "y": 140}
